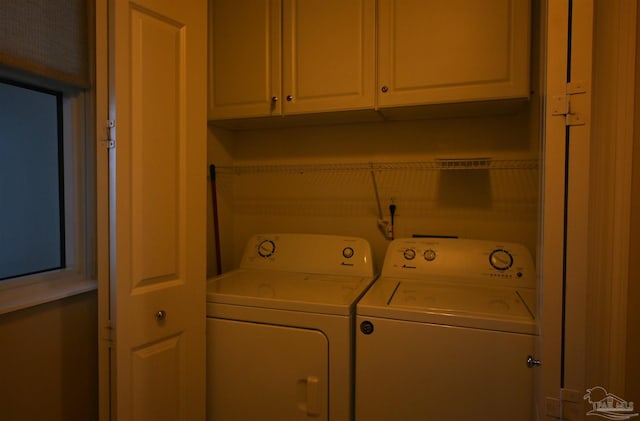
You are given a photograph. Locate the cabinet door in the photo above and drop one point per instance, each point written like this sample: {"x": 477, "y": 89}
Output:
{"x": 434, "y": 51}
{"x": 244, "y": 58}
{"x": 258, "y": 371}
{"x": 328, "y": 55}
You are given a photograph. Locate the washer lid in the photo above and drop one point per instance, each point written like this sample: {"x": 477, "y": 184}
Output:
{"x": 310, "y": 292}
{"x": 494, "y": 308}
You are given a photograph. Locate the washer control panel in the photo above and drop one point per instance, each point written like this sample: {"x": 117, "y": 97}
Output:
{"x": 309, "y": 253}
{"x": 478, "y": 261}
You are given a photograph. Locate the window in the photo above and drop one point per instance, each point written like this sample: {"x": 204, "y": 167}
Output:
{"x": 31, "y": 181}
{"x": 46, "y": 176}
{"x": 47, "y": 151}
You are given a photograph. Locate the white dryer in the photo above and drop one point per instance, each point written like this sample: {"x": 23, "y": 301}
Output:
{"x": 445, "y": 333}
{"x": 280, "y": 329}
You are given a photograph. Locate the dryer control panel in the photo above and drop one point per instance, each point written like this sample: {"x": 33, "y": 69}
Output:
{"x": 473, "y": 261}
{"x": 309, "y": 253}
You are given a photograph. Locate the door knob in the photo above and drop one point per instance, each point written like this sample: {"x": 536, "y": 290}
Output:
{"x": 161, "y": 315}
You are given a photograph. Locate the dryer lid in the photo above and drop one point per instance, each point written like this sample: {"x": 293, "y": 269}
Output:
{"x": 331, "y": 294}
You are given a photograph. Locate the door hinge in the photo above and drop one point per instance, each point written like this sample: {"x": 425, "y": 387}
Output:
{"x": 110, "y": 141}
{"x": 107, "y": 331}
{"x": 561, "y": 104}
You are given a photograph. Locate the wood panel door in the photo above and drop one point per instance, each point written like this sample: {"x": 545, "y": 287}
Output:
{"x": 157, "y": 191}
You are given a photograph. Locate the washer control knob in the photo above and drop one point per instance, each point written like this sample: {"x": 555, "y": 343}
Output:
{"x": 266, "y": 248}
{"x": 366, "y": 327}
{"x": 409, "y": 254}
{"x": 348, "y": 252}
{"x": 429, "y": 255}
{"x": 500, "y": 259}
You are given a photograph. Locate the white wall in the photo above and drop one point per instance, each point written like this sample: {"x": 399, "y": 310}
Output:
{"x": 497, "y": 204}
{"x": 49, "y": 361}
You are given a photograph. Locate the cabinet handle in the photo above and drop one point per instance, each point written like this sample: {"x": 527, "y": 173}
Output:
{"x": 384, "y": 89}
{"x": 274, "y": 99}
{"x": 161, "y": 315}
{"x": 289, "y": 98}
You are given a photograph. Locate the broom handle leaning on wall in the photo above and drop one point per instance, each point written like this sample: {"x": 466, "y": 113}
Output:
{"x": 216, "y": 227}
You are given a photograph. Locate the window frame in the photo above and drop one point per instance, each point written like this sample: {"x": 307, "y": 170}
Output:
{"x": 79, "y": 274}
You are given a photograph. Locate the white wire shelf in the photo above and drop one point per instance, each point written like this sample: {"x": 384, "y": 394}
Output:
{"x": 436, "y": 164}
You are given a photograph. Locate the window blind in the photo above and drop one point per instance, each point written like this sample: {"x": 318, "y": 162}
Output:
{"x": 47, "y": 38}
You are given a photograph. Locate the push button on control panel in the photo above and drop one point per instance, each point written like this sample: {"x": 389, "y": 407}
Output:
{"x": 366, "y": 327}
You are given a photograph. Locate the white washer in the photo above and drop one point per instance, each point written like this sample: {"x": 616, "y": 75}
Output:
{"x": 280, "y": 329}
{"x": 445, "y": 333}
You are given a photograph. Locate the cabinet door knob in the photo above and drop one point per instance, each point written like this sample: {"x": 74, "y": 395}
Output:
{"x": 532, "y": 362}
{"x": 289, "y": 98}
{"x": 161, "y": 315}
{"x": 384, "y": 89}
{"x": 274, "y": 99}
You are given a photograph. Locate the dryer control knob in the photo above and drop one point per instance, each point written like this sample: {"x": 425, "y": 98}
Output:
{"x": 501, "y": 259}
{"x": 366, "y": 327}
{"x": 266, "y": 248}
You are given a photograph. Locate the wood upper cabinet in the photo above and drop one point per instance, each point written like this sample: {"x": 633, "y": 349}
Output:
{"x": 284, "y": 57}
{"x": 434, "y": 51}
{"x": 244, "y": 58}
